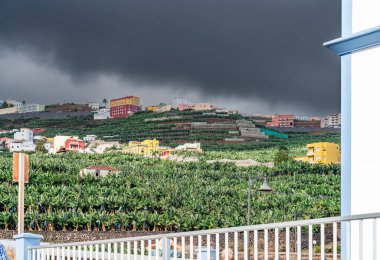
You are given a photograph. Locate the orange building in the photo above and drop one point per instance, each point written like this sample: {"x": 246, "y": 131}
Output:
{"x": 124, "y": 107}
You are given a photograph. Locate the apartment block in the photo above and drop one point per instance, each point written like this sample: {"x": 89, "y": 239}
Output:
{"x": 322, "y": 152}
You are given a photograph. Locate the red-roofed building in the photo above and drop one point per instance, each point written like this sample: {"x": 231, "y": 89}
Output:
{"x": 74, "y": 144}
{"x": 38, "y": 130}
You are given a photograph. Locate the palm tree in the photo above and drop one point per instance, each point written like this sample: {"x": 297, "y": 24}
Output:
{"x": 105, "y": 101}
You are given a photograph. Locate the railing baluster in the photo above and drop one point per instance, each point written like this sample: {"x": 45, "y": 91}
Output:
{"x": 375, "y": 239}
{"x": 191, "y": 247}
{"x": 310, "y": 242}
{"x": 150, "y": 249}
{"x": 335, "y": 241}
{"x": 43, "y": 254}
{"x": 79, "y": 254}
{"x": 135, "y": 250}
{"x": 208, "y": 247}
{"x": 157, "y": 249}
{"x": 287, "y": 243}
{"x": 33, "y": 254}
{"x": 246, "y": 245}
{"x": 38, "y": 256}
{"x": 115, "y": 248}
{"x": 226, "y": 247}
{"x": 129, "y": 250}
{"x": 299, "y": 242}
{"x": 96, "y": 252}
{"x": 360, "y": 239}
{"x": 183, "y": 246}
{"x": 217, "y": 248}
{"x": 255, "y": 243}
{"x": 276, "y": 256}
{"x": 266, "y": 244}
{"x": 73, "y": 249}
{"x": 322, "y": 241}
{"x": 236, "y": 245}
{"x": 91, "y": 253}
{"x": 348, "y": 240}
{"x": 109, "y": 251}
{"x": 175, "y": 248}
{"x": 122, "y": 250}
{"x": 142, "y": 249}
{"x": 85, "y": 252}
{"x": 103, "y": 251}
{"x": 199, "y": 245}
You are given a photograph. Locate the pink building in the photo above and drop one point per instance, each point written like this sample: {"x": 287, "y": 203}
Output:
{"x": 281, "y": 121}
{"x": 182, "y": 107}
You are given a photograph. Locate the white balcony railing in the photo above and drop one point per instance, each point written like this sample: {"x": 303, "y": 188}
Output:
{"x": 306, "y": 239}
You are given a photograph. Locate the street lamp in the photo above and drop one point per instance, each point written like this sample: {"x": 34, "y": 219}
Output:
{"x": 264, "y": 188}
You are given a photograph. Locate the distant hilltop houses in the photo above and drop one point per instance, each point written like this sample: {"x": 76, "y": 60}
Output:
{"x": 126, "y": 106}
{"x": 332, "y": 121}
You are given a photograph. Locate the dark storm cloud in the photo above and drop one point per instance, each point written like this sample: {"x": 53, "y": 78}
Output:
{"x": 264, "y": 49}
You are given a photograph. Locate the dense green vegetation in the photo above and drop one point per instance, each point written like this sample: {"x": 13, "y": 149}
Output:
{"x": 160, "y": 195}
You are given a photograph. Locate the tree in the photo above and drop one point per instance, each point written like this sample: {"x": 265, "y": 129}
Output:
{"x": 23, "y": 102}
{"x": 105, "y": 101}
{"x": 40, "y": 148}
{"x": 282, "y": 155}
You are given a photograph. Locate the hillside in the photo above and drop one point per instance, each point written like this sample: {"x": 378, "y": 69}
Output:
{"x": 214, "y": 131}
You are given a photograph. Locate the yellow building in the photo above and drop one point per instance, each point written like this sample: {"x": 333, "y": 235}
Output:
{"x": 146, "y": 148}
{"x": 152, "y": 108}
{"x": 130, "y": 100}
{"x": 323, "y": 152}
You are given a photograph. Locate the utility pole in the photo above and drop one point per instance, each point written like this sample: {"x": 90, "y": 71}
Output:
{"x": 249, "y": 200}
{"x": 20, "y": 175}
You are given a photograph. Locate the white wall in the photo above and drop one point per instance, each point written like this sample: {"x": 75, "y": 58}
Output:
{"x": 365, "y": 14}
{"x": 365, "y": 143}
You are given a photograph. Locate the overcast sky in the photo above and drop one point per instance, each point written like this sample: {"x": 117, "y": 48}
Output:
{"x": 259, "y": 56}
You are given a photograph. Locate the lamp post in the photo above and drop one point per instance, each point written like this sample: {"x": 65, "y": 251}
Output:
{"x": 264, "y": 188}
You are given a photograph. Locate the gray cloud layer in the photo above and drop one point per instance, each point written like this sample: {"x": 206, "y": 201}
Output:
{"x": 267, "y": 50}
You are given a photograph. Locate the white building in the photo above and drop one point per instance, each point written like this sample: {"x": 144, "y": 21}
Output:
{"x": 94, "y": 106}
{"x": 59, "y": 142}
{"x": 98, "y": 171}
{"x": 14, "y": 103}
{"x": 331, "y": 121}
{"x": 22, "y": 146}
{"x": 359, "y": 48}
{"x": 89, "y": 138}
{"x": 30, "y": 108}
{"x": 25, "y": 134}
{"x": 196, "y": 147}
{"x": 102, "y": 114}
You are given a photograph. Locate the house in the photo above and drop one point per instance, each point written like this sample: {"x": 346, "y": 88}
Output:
{"x": 67, "y": 143}
{"x": 193, "y": 147}
{"x": 322, "y": 152}
{"x": 102, "y": 114}
{"x": 202, "y": 106}
{"x": 281, "y": 121}
{"x": 98, "y": 171}
{"x": 74, "y": 144}
{"x": 25, "y": 134}
{"x": 124, "y": 107}
{"x": 331, "y": 121}
{"x": 146, "y": 148}
{"x": 31, "y": 108}
{"x": 94, "y": 106}
{"x": 183, "y": 107}
{"x": 21, "y": 146}
{"x": 89, "y": 138}
{"x": 38, "y": 130}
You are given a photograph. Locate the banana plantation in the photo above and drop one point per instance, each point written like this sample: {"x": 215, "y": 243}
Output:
{"x": 151, "y": 194}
